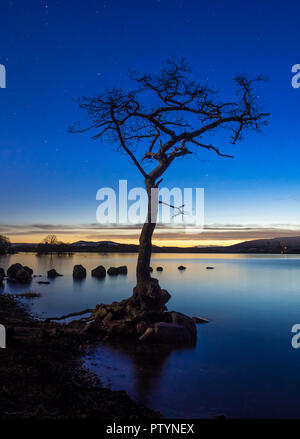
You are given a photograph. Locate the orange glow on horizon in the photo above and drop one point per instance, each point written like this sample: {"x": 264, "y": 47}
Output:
{"x": 69, "y": 238}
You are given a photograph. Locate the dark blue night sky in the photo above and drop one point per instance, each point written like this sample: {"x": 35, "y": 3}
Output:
{"x": 56, "y": 50}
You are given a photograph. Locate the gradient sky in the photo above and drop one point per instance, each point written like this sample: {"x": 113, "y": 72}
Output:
{"x": 56, "y": 50}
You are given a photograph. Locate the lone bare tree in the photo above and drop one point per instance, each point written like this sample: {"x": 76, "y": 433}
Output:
{"x": 49, "y": 244}
{"x": 164, "y": 117}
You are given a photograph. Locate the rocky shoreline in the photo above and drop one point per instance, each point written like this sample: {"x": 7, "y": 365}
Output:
{"x": 143, "y": 317}
{"x": 41, "y": 373}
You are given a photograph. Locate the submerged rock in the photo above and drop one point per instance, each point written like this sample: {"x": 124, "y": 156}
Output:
{"x": 159, "y": 268}
{"x": 41, "y": 282}
{"x": 79, "y": 272}
{"x": 210, "y": 268}
{"x": 181, "y": 267}
{"x": 53, "y": 273}
{"x": 114, "y": 271}
{"x": 99, "y": 272}
{"x": 30, "y": 295}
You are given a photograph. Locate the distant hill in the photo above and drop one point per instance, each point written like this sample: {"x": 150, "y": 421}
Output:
{"x": 274, "y": 245}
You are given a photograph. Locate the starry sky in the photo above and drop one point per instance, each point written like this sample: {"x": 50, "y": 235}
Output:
{"x": 54, "y": 51}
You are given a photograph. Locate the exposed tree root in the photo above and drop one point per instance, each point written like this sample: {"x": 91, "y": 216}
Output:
{"x": 72, "y": 314}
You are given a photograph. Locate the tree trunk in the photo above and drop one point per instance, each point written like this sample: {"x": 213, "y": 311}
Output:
{"x": 147, "y": 294}
{"x": 145, "y": 241}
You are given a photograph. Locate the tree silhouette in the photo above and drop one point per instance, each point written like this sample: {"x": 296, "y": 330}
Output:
{"x": 4, "y": 244}
{"x": 48, "y": 245}
{"x": 164, "y": 117}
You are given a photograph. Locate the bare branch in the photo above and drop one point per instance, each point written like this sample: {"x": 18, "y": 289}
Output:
{"x": 212, "y": 148}
{"x": 122, "y": 142}
{"x": 170, "y": 109}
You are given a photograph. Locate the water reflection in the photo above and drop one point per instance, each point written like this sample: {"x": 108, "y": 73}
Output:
{"x": 243, "y": 364}
{"x": 137, "y": 369}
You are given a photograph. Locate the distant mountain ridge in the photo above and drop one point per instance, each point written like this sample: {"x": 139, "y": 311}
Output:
{"x": 92, "y": 243}
{"x": 272, "y": 245}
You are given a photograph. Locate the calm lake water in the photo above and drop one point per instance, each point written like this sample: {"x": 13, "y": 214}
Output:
{"x": 243, "y": 364}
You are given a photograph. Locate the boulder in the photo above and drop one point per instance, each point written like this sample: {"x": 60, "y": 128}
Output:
{"x": 12, "y": 271}
{"x": 210, "y": 268}
{"x": 159, "y": 268}
{"x": 29, "y": 270}
{"x": 79, "y": 272}
{"x": 99, "y": 272}
{"x": 23, "y": 276}
{"x": 181, "y": 267}
{"x": 150, "y": 269}
{"x": 172, "y": 333}
{"x": 53, "y": 273}
{"x": 2, "y": 274}
{"x": 181, "y": 319}
{"x": 200, "y": 320}
{"x": 114, "y": 271}
{"x": 19, "y": 273}
{"x": 41, "y": 282}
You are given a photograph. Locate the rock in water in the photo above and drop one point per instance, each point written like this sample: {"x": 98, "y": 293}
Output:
{"x": 79, "y": 272}
{"x": 23, "y": 276}
{"x": 99, "y": 272}
{"x": 172, "y": 333}
{"x": 181, "y": 267}
{"x": 210, "y": 268}
{"x": 159, "y": 269}
{"x": 53, "y": 273}
{"x": 29, "y": 270}
{"x": 181, "y": 319}
{"x": 12, "y": 271}
{"x": 200, "y": 320}
{"x": 19, "y": 273}
{"x": 114, "y": 271}
{"x": 2, "y": 274}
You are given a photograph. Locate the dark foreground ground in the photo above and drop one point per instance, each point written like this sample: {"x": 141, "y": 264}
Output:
{"x": 41, "y": 374}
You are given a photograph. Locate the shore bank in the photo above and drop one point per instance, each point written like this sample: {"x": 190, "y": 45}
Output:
{"x": 41, "y": 373}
